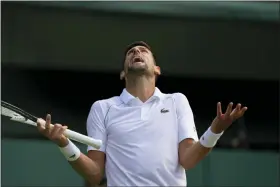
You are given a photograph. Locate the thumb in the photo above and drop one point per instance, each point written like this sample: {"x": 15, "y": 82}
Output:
{"x": 40, "y": 127}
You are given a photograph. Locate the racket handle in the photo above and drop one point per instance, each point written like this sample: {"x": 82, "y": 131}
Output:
{"x": 83, "y": 139}
{"x": 68, "y": 133}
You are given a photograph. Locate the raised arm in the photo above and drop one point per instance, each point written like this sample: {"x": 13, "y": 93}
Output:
{"x": 90, "y": 166}
{"x": 192, "y": 151}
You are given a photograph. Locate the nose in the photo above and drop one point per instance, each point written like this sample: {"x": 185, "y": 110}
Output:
{"x": 136, "y": 51}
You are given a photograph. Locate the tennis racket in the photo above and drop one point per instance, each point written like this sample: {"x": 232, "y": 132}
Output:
{"x": 19, "y": 115}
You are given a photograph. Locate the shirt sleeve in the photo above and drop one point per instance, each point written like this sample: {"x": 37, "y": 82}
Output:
{"x": 186, "y": 125}
{"x": 96, "y": 127}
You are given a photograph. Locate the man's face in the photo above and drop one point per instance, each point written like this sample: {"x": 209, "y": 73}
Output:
{"x": 139, "y": 60}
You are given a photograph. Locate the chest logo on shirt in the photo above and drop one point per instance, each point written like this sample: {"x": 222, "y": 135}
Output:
{"x": 164, "y": 110}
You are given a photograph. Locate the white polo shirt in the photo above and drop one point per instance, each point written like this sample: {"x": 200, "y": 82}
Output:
{"x": 141, "y": 140}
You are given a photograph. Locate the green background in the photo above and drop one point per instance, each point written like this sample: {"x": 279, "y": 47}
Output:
{"x": 40, "y": 163}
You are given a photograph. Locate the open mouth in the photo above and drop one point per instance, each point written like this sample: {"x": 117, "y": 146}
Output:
{"x": 137, "y": 60}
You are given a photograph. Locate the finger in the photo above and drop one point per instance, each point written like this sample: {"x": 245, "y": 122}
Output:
{"x": 59, "y": 132}
{"x": 243, "y": 110}
{"x": 40, "y": 127}
{"x": 239, "y": 114}
{"x": 48, "y": 122}
{"x": 219, "y": 109}
{"x": 62, "y": 130}
{"x": 229, "y": 109}
{"x": 236, "y": 110}
{"x": 55, "y": 131}
{"x": 238, "y": 107}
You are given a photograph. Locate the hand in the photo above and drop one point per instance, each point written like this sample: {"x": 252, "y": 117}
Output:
{"x": 54, "y": 133}
{"x": 223, "y": 121}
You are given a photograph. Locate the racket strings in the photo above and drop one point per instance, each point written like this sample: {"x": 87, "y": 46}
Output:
{"x": 19, "y": 115}
{"x": 10, "y": 113}
{"x": 10, "y": 109}
{"x": 6, "y": 112}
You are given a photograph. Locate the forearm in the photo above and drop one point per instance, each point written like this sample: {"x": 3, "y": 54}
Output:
{"x": 87, "y": 168}
{"x": 193, "y": 154}
{"x": 82, "y": 164}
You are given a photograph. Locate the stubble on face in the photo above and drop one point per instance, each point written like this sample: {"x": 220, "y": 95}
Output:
{"x": 138, "y": 62}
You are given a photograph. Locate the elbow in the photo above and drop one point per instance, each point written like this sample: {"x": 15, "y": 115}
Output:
{"x": 188, "y": 165}
{"x": 93, "y": 181}
{"x": 89, "y": 184}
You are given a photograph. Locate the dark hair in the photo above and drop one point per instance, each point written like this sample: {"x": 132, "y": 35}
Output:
{"x": 137, "y": 43}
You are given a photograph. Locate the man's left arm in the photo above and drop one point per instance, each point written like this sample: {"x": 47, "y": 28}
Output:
{"x": 191, "y": 151}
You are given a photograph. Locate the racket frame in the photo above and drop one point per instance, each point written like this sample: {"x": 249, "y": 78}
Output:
{"x": 27, "y": 118}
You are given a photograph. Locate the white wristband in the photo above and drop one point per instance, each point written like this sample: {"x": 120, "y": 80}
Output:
{"x": 209, "y": 139}
{"x": 71, "y": 151}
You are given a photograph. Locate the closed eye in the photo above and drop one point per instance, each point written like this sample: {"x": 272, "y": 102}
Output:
{"x": 143, "y": 49}
{"x": 129, "y": 52}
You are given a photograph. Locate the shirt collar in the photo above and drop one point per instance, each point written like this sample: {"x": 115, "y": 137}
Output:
{"x": 126, "y": 97}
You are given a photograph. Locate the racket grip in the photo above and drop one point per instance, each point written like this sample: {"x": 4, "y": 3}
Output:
{"x": 68, "y": 133}
{"x": 82, "y": 139}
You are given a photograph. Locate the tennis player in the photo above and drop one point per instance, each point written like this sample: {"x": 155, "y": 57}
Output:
{"x": 149, "y": 137}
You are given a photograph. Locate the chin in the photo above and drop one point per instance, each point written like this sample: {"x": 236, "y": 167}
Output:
{"x": 137, "y": 70}
{"x": 140, "y": 67}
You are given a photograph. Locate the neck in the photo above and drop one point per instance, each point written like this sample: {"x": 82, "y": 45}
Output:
{"x": 141, "y": 87}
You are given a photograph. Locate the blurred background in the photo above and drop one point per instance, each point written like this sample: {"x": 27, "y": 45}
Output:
{"x": 60, "y": 57}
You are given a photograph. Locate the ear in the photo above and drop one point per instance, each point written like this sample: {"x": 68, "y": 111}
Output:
{"x": 157, "y": 70}
{"x": 122, "y": 75}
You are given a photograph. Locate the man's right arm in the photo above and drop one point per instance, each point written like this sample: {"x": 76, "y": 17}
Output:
{"x": 91, "y": 167}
